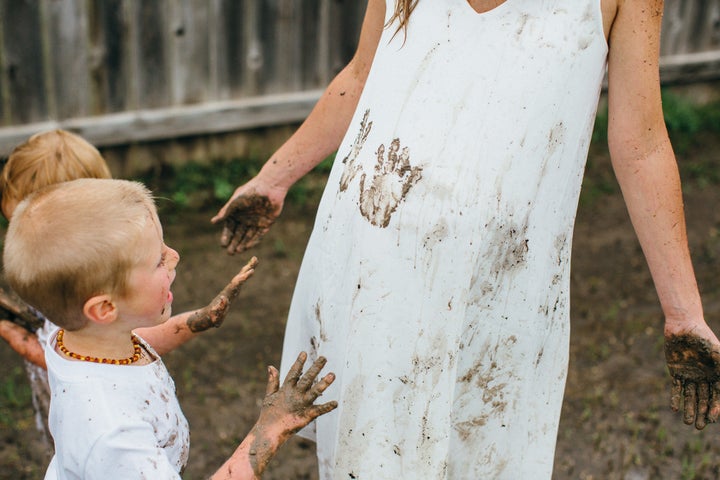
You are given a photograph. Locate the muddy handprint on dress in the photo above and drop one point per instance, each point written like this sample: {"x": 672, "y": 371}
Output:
{"x": 392, "y": 179}
{"x": 351, "y": 167}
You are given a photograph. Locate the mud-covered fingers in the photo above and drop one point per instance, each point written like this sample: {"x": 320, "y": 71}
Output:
{"x": 714, "y": 411}
{"x": 676, "y": 394}
{"x": 238, "y": 235}
{"x": 307, "y": 380}
{"x": 273, "y": 383}
{"x": 246, "y": 271}
{"x": 295, "y": 370}
{"x": 228, "y": 231}
{"x": 252, "y": 237}
{"x": 690, "y": 403}
{"x": 250, "y": 242}
{"x": 319, "y": 387}
{"x": 702, "y": 405}
{"x": 232, "y": 289}
{"x": 250, "y": 265}
{"x": 317, "y": 410}
{"x": 242, "y": 241}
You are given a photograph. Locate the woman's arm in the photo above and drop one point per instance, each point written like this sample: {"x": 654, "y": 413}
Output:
{"x": 254, "y": 206}
{"x": 647, "y": 172}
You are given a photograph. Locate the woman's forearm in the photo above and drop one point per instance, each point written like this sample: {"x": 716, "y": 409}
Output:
{"x": 319, "y": 135}
{"x": 651, "y": 187}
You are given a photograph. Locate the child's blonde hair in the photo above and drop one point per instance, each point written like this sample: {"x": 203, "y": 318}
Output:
{"x": 71, "y": 241}
{"x": 47, "y": 158}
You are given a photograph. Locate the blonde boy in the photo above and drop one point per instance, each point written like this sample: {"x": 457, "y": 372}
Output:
{"x": 89, "y": 254}
{"x": 56, "y": 156}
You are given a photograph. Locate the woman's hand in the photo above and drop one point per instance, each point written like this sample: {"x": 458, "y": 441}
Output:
{"x": 248, "y": 215}
{"x": 693, "y": 359}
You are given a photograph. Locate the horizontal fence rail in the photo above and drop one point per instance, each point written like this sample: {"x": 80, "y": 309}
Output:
{"x": 124, "y": 71}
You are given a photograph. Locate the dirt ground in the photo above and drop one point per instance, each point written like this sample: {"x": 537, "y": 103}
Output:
{"x": 616, "y": 423}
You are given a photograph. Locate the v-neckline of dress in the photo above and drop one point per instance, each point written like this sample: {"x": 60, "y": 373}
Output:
{"x": 492, "y": 11}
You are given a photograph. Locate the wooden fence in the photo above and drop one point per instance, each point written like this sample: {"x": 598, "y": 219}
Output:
{"x": 125, "y": 71}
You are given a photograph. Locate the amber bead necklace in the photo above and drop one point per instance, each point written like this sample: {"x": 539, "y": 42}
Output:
{"x": 86, "y": 358}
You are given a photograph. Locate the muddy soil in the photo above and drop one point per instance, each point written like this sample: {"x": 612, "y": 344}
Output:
{"x": 616, "y": 421}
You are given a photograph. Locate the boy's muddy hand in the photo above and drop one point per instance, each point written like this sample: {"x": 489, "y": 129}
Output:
{"x": 247, "y": 218}
{"x": 287, "y": 409}
{"x": 292, "y": 405}
{"x": 694, "y": 365}
{"x": 214, "y": 314}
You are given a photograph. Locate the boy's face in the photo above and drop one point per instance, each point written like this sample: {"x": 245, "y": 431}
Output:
{"x": 149, "y": 300}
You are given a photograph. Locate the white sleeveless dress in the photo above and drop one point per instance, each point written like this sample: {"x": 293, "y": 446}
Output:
{"x": 436, "y": 278}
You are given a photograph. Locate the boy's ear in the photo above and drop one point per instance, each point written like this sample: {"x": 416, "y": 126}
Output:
{"x": 100, "y": 309}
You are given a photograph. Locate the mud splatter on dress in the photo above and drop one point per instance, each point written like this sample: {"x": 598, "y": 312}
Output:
{"x": 436, "y": 279}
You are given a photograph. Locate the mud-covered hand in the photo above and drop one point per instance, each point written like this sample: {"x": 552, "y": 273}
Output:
{"x": 694, "y": 364}
{"x": 214, "y": 313}
{"x": 248, "y": 215}
{"x": 292, "y": 405}
{"x": 287, "y": 408}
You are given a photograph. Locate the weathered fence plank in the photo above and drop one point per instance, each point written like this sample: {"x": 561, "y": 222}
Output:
{"x": 23, "y": 71}
{"x": 66, "y": 29}
{"x": 109, "y": 57}
{"x": 154, "y": 79}
{"x": 188, "y": 44}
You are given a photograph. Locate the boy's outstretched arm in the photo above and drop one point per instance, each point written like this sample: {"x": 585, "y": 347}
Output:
{"x": 17, "y": 328}
{"x": 184, "y": 326}
{"x": 23, "y": 341}
{"x": 285, "y": 410}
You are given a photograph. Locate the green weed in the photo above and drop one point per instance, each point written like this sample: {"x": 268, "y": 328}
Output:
{"x": 197, "y": 185}
{"x": 14, "y": 395}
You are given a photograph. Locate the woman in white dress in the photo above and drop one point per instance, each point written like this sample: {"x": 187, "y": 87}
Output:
{"x": 436, "y": 279}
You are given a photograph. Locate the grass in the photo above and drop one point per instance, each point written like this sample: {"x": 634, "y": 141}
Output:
{"x": 14, "y": 396}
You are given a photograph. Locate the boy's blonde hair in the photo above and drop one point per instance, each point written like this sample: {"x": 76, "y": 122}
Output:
{"x": 47, "y": 158}
{"x": 71, "y": 241}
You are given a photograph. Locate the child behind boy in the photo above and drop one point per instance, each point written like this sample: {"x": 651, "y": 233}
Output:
{"x": 89, "y": 254}
{"x": 58, "y": 156}
{"x": 44, "y": 159}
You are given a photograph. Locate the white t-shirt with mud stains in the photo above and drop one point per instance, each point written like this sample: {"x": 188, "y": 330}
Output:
{"x": 114, "y": 421}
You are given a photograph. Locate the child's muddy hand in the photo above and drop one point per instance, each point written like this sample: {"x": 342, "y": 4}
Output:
{"x": 247, "y": 218}
{"x": 292, "y": 406}
{"x": 694, "y": 364}
{"x": 214, "y": 314}
{"x": 286, "y": 409}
